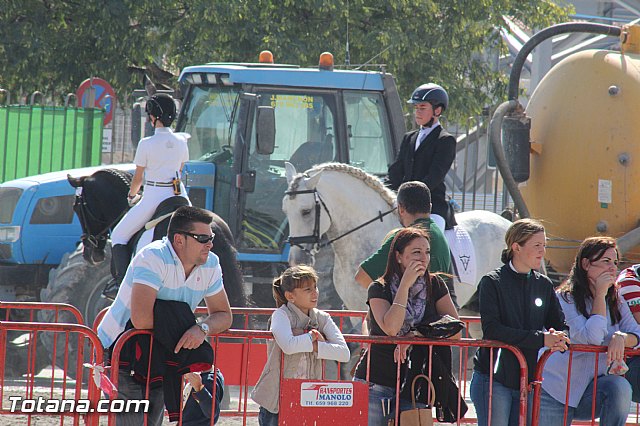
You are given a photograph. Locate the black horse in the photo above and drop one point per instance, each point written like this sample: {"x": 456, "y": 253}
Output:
{"x": 102, "y": 202}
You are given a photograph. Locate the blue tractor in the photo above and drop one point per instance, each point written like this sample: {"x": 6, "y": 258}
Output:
{"x": 317, "y": 115}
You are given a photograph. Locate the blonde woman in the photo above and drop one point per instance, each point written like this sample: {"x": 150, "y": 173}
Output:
{"x": 518, "y": 306}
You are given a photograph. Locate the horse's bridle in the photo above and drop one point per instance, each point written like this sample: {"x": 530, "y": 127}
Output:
{"x": 315, "y": 238}
{"x": 80, "y": 206}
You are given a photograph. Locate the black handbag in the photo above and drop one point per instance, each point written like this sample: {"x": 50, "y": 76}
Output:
{"x": 443, "y": 328}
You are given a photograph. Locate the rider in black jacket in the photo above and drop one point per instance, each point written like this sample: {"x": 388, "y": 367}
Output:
{"x": 426, "y": 154}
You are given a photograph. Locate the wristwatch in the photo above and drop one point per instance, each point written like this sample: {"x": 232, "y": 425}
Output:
{"x": 204, "y": 327}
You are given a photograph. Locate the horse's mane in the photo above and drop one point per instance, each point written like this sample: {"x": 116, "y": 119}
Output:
{"x": 116, "y": 176}
{"x": 371, "y": 181}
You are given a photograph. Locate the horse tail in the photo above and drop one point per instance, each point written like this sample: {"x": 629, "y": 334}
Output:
{"x": 232, "y": 273}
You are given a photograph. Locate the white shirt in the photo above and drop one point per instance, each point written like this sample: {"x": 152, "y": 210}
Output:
{"x": 595, "y": 330}
{"x": 423, "y": 133}
{"x": 157, "y": 265}
{"x": 162, "y": 154}
{"x": 334, "y": 347}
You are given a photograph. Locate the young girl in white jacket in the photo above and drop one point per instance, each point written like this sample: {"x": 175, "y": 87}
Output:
{"x": 305, "y": 334}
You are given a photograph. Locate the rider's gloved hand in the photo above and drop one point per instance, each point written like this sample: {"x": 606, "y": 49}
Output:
{"x": 133, "y": 200}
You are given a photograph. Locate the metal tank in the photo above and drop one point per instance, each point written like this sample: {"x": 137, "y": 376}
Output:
{"x": 585, "y": 151}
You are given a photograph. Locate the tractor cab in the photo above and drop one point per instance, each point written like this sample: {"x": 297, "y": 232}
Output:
{"x": 247, "y": 120}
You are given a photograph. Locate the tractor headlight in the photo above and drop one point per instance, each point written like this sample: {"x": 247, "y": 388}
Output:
{"x": 9, "y": 234}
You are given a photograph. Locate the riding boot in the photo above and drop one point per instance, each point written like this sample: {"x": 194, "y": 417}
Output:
{"x": 120, "y": 258}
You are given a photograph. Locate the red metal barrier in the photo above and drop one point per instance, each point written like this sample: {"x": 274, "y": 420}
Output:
{"x": 254, "y": 361}
{"x": 248, "y": 339}
{"x": 239, "y": 354}
{"x": 30, "y": 310}
{"x": 230, "y": 352}
{"x": 115, "y": 363}
{"x": 267, "y": 312}
{"x": 56, "y": 395}
{"x": 461, "y": 343}
{"x": 35, "y": 307}
{"x": 537, "y": 382}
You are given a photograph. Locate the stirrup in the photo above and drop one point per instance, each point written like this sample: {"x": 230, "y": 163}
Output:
{"x": 111, "y": 289}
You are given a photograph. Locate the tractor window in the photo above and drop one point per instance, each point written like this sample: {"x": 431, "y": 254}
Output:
{"x": 305, "y": 129}
{"x": 206, "y": 117}
{"x": 368, "y": 132}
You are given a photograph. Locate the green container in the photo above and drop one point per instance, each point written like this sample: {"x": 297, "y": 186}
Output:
{"x": 41, "y": 139}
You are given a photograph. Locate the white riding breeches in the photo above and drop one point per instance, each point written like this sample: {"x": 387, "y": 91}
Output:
{"x": 438, "y": 220}
{"x": 142, "y": 212}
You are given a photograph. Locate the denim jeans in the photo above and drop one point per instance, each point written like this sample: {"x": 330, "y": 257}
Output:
{"x": 219, "y": 395}
{"x": 128, "y": 388}
{"x": 633, "y": 376}
{"x": 379, "y": 395}
{"x": 267, "y": 418}
{"x": 613, "y": 400}
{"x": 505, "y": 402}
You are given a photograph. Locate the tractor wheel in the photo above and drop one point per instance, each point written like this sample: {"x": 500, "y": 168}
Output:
{"x": 80, "y": 284}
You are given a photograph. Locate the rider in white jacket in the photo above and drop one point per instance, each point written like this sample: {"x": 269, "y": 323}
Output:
{"x": 159, "y": 160}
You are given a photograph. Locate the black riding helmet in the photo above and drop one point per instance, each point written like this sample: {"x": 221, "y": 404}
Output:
{"x": 162, "y": 107}
{"x": 432, "y": 93}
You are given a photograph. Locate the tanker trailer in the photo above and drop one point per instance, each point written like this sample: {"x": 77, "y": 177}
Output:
{"x": 579, "y": 168}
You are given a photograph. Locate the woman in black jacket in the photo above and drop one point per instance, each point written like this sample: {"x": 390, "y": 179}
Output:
{"x": 518, "y": 306}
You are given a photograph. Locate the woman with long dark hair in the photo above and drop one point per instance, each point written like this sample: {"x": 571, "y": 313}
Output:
{"x": 518, "y": 306}
{"x": 398, "y": 301}
{"x": 596, "y": 316}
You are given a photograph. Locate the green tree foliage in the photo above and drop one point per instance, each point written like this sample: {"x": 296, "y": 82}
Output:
{"x": 50, "y": 45}
{"x": 57, "y": 44}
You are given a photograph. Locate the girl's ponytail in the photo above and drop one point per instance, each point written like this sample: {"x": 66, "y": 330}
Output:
{"x": 278, "y": 292}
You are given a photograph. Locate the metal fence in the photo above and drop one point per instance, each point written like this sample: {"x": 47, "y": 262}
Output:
{"x": 474, "y": 182}
{"x": 117, "y": 146}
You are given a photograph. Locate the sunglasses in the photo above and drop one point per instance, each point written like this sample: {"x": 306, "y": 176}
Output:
{"x": 201, "y": 238}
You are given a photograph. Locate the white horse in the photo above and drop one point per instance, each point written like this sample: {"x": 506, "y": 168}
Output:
{"x": 334, "y": 198}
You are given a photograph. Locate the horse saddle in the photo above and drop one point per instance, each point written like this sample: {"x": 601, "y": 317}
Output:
{"x": 163, "y": 211}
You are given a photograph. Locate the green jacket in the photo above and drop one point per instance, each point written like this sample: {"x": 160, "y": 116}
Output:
{"x": 376, "y": 264}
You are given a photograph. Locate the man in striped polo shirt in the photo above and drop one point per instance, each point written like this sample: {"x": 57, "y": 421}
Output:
{"x": 179, "y": 267}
